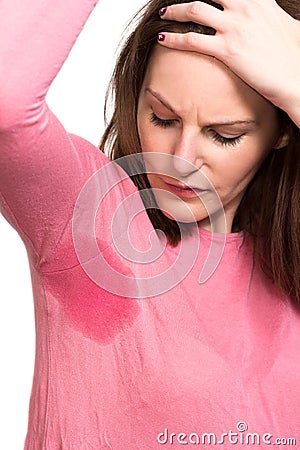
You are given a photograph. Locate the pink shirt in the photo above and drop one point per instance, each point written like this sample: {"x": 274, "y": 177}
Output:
{"x": 113, "y": 372}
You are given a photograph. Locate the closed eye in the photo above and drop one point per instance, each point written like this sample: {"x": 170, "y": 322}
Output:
{"x": 224, "y": 140}
{"x": 164, "y": 123}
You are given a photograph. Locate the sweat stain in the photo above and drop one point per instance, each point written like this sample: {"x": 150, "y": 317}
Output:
{"x": 89, "y": 309}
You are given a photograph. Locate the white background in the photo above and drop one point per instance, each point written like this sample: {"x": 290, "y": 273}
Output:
{"x": 77, "y": 98}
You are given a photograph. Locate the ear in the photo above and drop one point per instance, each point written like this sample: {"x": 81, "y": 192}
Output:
{"x": 282, "y": 141}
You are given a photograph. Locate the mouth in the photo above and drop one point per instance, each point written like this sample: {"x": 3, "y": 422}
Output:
{"x": 184, "y": 191}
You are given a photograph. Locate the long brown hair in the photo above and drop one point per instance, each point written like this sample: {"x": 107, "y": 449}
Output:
{"x": 270, "y": 208}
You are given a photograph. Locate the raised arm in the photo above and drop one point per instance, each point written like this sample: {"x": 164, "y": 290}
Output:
{"x": 36, "y": 37}
{"x": 41, "y": 167}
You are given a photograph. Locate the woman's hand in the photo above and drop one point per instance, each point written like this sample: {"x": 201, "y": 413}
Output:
{"x": 256, "y": 39}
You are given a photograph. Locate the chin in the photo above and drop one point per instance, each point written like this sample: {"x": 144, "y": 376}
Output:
{"x": 182, "y": 213}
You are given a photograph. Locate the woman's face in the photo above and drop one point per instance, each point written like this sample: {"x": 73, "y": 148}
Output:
{"x": 192, "y": 107}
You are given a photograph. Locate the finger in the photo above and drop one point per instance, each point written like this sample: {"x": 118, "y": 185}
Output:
{"x": 198, "y": 12}
{"x": 194, "y": 42}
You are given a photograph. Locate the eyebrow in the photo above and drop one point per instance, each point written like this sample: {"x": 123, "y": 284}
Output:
{"x": 161, "y": 99}
{"x": 226, "y": 123}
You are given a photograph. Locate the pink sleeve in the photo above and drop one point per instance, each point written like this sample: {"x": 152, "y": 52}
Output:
{"x": 42, "y": 167}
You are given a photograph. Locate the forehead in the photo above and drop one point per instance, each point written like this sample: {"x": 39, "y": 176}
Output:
{"x": 190, "y": 80}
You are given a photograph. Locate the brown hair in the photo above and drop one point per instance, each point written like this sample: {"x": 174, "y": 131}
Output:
{"x": 270, "y": 208}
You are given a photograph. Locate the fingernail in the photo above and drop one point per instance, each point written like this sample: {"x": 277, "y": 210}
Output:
{"x": 161, "y": 37}
{"x": 162, "y": 11}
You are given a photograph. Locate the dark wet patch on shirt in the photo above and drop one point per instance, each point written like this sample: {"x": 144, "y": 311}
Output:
{"x": 88, "y": 308}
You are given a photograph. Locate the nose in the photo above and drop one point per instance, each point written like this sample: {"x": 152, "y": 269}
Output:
{"x": 187, "y": 149}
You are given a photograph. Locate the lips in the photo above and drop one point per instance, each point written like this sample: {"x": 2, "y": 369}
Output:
{"x": 183, "y": 190}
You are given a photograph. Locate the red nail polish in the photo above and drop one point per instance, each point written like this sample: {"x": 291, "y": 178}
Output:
{"x": 162, "y": 11}
{"x": 161, "y": 37}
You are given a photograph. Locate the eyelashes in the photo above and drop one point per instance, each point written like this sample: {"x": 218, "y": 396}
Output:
{"x": 161, "y": 122}
{"x": 225, "y": 141}
{"x": 215, "y": 136}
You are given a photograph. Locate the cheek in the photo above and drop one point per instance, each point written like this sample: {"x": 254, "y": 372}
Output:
{"x": 233, "y": 169}
{"x": 153, "y": 138}
{"x": 243, "y": 165}
{"x": 253, "y": 153}
{"x": 144, "y": 131}
{"x": 149, "y": 139}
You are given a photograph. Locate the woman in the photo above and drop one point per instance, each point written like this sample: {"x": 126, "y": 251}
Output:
{"x": 188, "y": 363}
